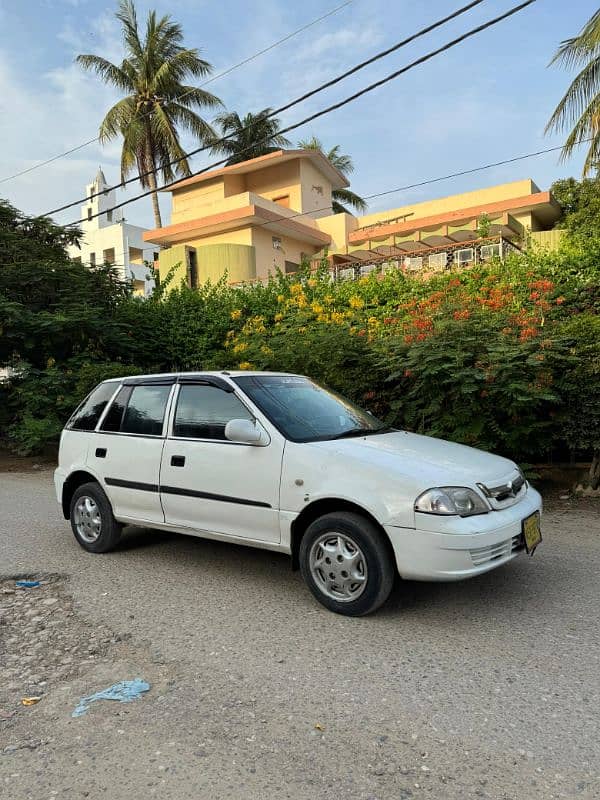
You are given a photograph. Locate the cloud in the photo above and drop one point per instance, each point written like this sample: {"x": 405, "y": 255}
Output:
{"x": 61, "y": 110}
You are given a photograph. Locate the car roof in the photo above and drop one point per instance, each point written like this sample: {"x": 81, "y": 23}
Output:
{"x": 234, "y": 373}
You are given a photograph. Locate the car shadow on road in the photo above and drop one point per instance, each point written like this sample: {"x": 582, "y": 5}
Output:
{"x": 508, "y": 590}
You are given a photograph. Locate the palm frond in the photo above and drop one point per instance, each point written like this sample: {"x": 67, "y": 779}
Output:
{"x": 578, "y": 49}
{"x": 117, "y": 119}
{"x": 109, "y": 72}
{"x": 127, "y": 16}
{"x": 346, "y": 196}
{"x": 579, "y": 108}
{"x": 584, "y": 87}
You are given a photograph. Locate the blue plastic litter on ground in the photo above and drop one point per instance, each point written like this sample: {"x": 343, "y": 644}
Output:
{"x": 27, "y": 584}
{"x": 122, "y": 692}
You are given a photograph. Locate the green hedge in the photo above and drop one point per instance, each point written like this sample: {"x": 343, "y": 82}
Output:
{"x": 504, "y": 356}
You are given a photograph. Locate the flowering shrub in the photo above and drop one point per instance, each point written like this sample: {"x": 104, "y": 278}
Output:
{"x": 504, "y": 356}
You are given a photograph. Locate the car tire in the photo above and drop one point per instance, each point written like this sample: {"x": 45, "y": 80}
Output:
{"x": 92, "y": 519}
{"x": 347, "y": 563}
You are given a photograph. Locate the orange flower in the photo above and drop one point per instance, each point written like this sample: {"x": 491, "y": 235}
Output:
{"x": 560, "y": 301}
{"x": 465, "y": 314}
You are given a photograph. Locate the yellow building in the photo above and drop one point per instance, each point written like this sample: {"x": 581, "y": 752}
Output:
{"x": 251, "y": 219}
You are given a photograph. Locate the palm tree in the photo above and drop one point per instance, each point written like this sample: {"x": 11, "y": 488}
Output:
{"x": 157, "y": 102}
{"x": 579, "y": 110}
{"x": 253, "y": 136}
{"x": 343, "y": 163}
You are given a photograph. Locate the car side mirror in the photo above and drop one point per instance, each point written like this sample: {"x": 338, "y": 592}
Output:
{"x": 244, "y": 431}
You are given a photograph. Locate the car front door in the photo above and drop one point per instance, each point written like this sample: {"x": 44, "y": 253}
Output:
{"x": 211, "y": 484}
{"x": 128, "y": 447}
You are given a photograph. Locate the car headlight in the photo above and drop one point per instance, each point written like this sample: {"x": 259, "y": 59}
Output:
{"x": 447, "y": 500}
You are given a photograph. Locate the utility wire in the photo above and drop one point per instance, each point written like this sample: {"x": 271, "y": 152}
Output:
{"x": 341, "y": 103}
{"x": 429, "y": 181}
{"x": 408, "y": 186}
{"x": 215, "y": 144}
{"x": 205, "y": 83}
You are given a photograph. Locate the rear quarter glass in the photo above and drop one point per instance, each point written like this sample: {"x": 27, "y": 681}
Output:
{"x": 87, "y": 414}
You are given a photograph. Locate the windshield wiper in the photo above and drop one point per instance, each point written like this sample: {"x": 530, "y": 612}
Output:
{"x": 362, "y": 432}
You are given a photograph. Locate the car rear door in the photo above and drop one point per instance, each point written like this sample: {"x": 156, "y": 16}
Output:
{"x": 128, "y": 449}
{"x": 211, "y": 484}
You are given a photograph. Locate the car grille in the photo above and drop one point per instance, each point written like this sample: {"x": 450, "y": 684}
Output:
{"x": 506, "y": 494}
{"x": 495, "y": 552}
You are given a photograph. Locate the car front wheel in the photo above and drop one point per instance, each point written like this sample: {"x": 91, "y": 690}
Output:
{"x": 92, "y": 520}
{"x": 347, "y": 563}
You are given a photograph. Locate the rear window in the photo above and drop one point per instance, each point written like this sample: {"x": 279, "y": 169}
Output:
{"x": 89, "y": 412}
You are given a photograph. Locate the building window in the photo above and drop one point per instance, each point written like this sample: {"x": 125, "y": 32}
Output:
{"x": 291, "y": 267}
{"x": 155, "y": 256}
{"x": 92, "y": 259}
{"x": 109, "y": 215}
{"x": 108, "y": 256}
{"x": 413, "y": 262}
{"x": 466, "y": 256}
{"x": 276, "y": 243}
{"x": 489, "y": 251}
{"x": 89, "y": 212}
{"x": 438, "y": 260}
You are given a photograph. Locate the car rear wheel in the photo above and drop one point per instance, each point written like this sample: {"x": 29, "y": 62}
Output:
{"x": 347, "y": 563}
{"x": 92, "y": 520}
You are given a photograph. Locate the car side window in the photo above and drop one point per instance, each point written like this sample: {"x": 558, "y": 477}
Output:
{"x": 145, "y": 411}
{"x": 114, "y": 416}
{"x": 138, "y": 409}
{"x": 203, "y": 412}
{"x": 89, "y": 412}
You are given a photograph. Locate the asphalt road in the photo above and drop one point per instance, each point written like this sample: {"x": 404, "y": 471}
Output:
{"x": 487, "y": 689}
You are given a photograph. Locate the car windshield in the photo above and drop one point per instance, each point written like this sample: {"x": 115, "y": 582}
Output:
{"x": 306, "y": 412}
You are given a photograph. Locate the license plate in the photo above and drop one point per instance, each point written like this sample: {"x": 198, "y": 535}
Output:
{"x": 532, "y": 532}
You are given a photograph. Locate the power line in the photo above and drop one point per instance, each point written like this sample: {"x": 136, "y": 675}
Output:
{"x": 405, "y": 188}
{"x": 285, "y": 107}
{"x": 205, "y": 83}
{"x": 429, "y": 181}
{"x": 470, "y": 171}
{"x": 344, "y": 102}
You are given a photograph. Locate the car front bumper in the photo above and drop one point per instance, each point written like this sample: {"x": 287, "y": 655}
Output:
{"x": 453, "y": 548}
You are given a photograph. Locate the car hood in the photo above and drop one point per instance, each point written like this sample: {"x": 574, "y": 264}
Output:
{"x": 427, "y": 461}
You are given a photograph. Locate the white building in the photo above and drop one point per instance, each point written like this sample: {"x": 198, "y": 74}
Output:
{"x": 107, "y": 238}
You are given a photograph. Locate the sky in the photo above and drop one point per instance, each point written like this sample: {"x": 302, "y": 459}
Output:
{"x": 485, "y": 100}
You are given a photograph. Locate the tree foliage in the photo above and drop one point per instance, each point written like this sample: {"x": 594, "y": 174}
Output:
{"x": 579, "y": 109}
{"x": 503, "y": 356}
{"x": 158, "y": 102}
{"x": 249, "y": 137}
{"x": 342, "y": 198}
{"x": 580, "y": 202}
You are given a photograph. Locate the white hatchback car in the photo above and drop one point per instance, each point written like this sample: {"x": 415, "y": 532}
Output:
{"x": 275, "y": 461}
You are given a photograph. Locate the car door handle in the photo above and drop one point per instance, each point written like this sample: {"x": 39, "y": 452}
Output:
{"x": 178, "y": 461}
{"x": 101, "y": 452}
